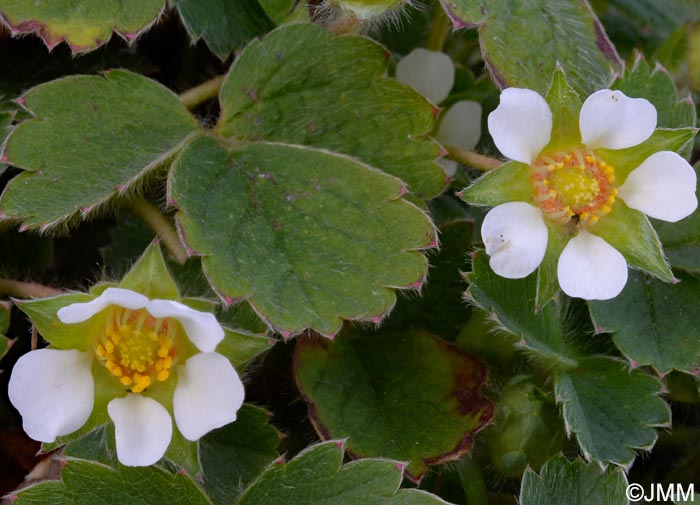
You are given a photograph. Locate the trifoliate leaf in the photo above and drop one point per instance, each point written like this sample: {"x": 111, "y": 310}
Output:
{"x": 91, "y": 139}
{"x": 236, "y": 454}
{"x": 84, "y": 25}
{"x": 524, "y": 54}
{"x": 654, "y": 323}
{"x": 380, "y": 389}
{"x": 301, "y": 85}
{"x": 316, "y": 476}
{"x": 86, "y": 482}
{"x": 223, "y": 24}
{"x": 306, "y": 236}
{"x": 512, "y": 304}
{"x": 563, "y": 482}
{"x": 611, "y": 410}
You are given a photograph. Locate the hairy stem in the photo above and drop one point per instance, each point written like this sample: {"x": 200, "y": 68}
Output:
{"x": 27, "y": 290}
{"x": 162, "y": 226}
{"x": 439, "y": 30}
{"x": 475, "y": 160}
{"x": 201, "y": 93}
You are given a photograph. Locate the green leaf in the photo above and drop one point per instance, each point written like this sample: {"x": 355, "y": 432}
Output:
{"x": 527, "y": 429}
{"x": 150, "y": 276}
{"x": 92, "y": 138}
{"x": 440, "y": 309}
{"x": 240, "y": 346}
{"x": 626, "y": 160}
{"x": 630, "y": 232}
{"x": 524, "y": 54}
{"x": 301, "y": 85}
{"x": 565, "y": 105}
{"x": 682, "y": 241}
{"x": 380, "y": 389}
{"x": 658, "y": 87}
{"x": 563, "y": 482}
{"x": 223, "y": 24}
{"x": 287, "y": 228}
{"x": 655, "y": 323}
{"x": 84, "y": 25}
{"x": 86, "y": 482}
{"x": 236, "y": 454}
{"x": 512, "y": 304}
{"x": 611, "y": 410}
{"x": 5, "y": 342}
{"x": 316, "y": 476}
{"x": 508, "y": 183}
{"x": 547, "y": 277}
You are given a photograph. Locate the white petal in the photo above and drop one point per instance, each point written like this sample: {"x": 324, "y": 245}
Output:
{"x": 54, "y": 392}
{"x": 515, "y": 237}
{"x": 143, "y": 429}
{"x": 613, "y": 120}
{"x": 202, "y": 328}
{"x": 207, "y": 396}
{"x": 79, "y": 312}
{"x": 662, "y": 187}
{"x": 591, "y": 269}
{"x": 521, "y": 125}
{"x": 461, "y": 125}
{"x": 430, "y": 73}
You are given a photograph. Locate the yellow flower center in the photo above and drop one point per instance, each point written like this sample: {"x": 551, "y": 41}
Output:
{"x": 137, "y": 348}
{"x": 573, "y": 184}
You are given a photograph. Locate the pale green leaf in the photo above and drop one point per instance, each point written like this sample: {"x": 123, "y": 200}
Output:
{"x": 523, "y": 40}
{"x": 83, "y": 24}
{"x": 316, "y": 476}
{"x": 91, "y": 139}
{"x": 301, "y": 85}
{"x": 379, "y": 391}
{"x": 563, "y": 482}
{"x": 308, "y": 237}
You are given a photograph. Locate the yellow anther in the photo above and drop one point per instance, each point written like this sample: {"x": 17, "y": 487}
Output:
{"x": 593, "y": 219}
{"x": 126, "y": 380}
{"x": 589, "y": 159}
{"x": 583, "y": 216}
{"x": 163, "y": 375}
{"x": 167, "y": 362}
{"x": 100, "y": 350}
{"x": 605, "y": 209}
{"x": 611, "y": 199}
{"x": 109, "y": 345}
{"x": 159, "y": 365}
{"x": 163, "y": 351}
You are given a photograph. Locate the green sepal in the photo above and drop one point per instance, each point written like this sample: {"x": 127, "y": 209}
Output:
{"x": 547, "y": 280}
{"x": 624, "y": 161}
{"x": 150, "y": 276}
{"x": 508, "y": 183}
{"x": 630, "y": 232}
{"x": 240, "y": 346}
{"x": 42, "y": 312}
{"x": 4, "y": 325}
{"x": 565, "y": 105}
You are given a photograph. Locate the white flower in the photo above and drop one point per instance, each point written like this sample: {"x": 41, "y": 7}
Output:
{"x": 432, "y": 74}
{"x": 576, "y": 182}
{"x": 137, "y": 345}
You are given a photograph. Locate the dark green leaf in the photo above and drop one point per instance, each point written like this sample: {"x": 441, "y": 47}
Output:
{"x": 88, "y": 483}
{"x": 223, "y": 24}
{"x": 523, "y": 40}
{"x": 655, "y": 323}
{"x": 316, "y": 476}
{"x": 563, "y": 482}
{"x": 236, "y": 454}
{"x": 611, "y": 410}
{"x": 92, "y": 138}
{"x": 308, "y": 237}
{"x": 408, "y": 396}
{"x": 301, "y": 85}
